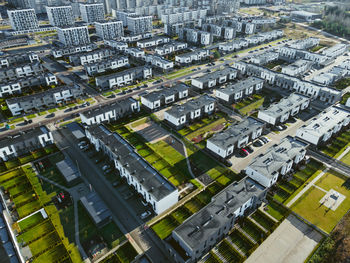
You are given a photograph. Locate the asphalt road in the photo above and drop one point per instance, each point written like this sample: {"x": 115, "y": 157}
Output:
{"x": 126, "y": 217}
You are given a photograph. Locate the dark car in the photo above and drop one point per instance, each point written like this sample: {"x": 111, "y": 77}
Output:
{"x": 249, "y": 149}
{"x": 145, "y": 86}
{"x": 111, "y": 96}
{"x": 258, "y": 143}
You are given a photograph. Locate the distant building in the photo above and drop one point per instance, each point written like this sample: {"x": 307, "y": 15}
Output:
{"x": 152, "y": 42}
{"x": 91, "y": 56}
{"x": 140, "y": 24}
{"x": 60, "y": 16}
{"x": 304, "y": 16}
{"x": 25, "y": 142}
{"x": 109, "y": 29}
{"x": 61, "y": 52}
{"x": 23, "y": 19}
{"x": 91, "y": 13}
{"x": 73, "y": 36}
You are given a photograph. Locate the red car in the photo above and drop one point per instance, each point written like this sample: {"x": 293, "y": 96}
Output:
{"x": 244, "y": 152}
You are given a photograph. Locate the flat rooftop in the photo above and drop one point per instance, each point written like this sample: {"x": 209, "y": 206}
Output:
{"x": 96, "y": 208}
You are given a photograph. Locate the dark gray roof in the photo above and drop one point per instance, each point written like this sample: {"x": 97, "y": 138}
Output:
{"x": 121, "y": 73}
{"x": 24, "y": 136}
{"x": 154, "y": 183}
{"x": 121, "y": 107}
{"x": 96, "y": 208}
{"x": 197, "y": 228}
{"x": 236, "y": 132}
{"x": 165, "y": 92}
{"x": 232, "y": 89}
{"x": 68, "y": 169}
{"x": 189, "y": 106}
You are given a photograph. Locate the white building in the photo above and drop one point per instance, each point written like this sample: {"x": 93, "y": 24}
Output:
{"x": 321, "y": 128}
{"x": 58, "y": 53}
{"x": 152, "y": 42}
{"x": 91, "y": 13}
{"x": 123, "y": 15}
{"x": 159, "y": 62}
{"x": 264, "y": 58}
{"x": 109, "y": 29}
{"x": 135, "y": 52}
{"x": 277, "y": 161}
{"x": 180, "y": 115}
{"x": 281, "y": 111}
{"x": 110, "y": 112}
{"x": 297, "y": 68}
{"x": 73, "y": 36}
{"x": 118, "y": 45}
{"x": 60, "y": 16}
{"x": 235, "y": 92}
{"x": 194, "y": 56}
{"x": 235, "y": 137}
{"x": 335, "y": 50}
{"x": 305, "y": 43}
{"x": 140, "y": 24}
{"x": 170, "y": 48}
{"x": 109, "y": 63}
{"x": 23, "y": 19}
{"x": 155, "y": 189}
{"x": 214, "y": 78}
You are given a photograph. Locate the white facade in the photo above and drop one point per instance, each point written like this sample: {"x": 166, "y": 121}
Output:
{"x": 109, "y": 29}
{"x": 23, "y": 19}
{"x": 170, "y": 48}
{"x": 60, "y": 16}
{"x": 91, "y": 13}
{"x": 73, "y": 36}
{"x": 139, "y": 25}
{"x": 194, "y": 56}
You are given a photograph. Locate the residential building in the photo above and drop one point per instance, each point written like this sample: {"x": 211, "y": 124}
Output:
{"x": 281, "y": 111}
{"x": 44, "y": 100}
{"x": 140, "y": 24}
{"x": 165, "y": 96}
{"x": 322, "y": 127}
{"x": 235, "y": 137}
{"x": 297, "y": 68}
{"x": 305, "y": 43}
{"x": 135, "y": 52}
{"x": 96, "y": 209}
{"x": 199, "y": 233}
{"x": 60, "y": 16}
{"x": 23, "y": 19}
{"x": 152, "y": 42}
{"x": 25, "y": 70}
{"x": 111, "y": 29}
{"x": 291, "y": 54}
{"x": 215, "y": 78}
{"x": 106, "y": 64}
{"x": 170, "y": 48}
{"x": 110, "y": 112}
{"x": 123, "y": 15}
{"x": 159, "y": 62}
{"x": 220, "y": 31}
{"x": 264, "y": 58}
{"x": 91, "y": 56}
{"x": 304, "y": 16}
{"x": 124, "y": 77}
{"x": 191, "y": 57}
{"x": 91, "y": 13}
{"x": 73, "y": 36}
{"x": 335, "y": 51}
{"x": 61, "y": 52}
{"x": 180, "y": 115}
{"x": 134, "y": 38}
{"x": 329, "y": 77}
{"x": 118, "y": 45}
{"x": 195, "y": 36}
{"x": 25, "y": 142}
{"x": 18, "y": 59}
{"x": 17, "y": 86}
{"x": 233, "y": 93}
{"x": 277, "y": 161}
{"x": 155, "y": 189}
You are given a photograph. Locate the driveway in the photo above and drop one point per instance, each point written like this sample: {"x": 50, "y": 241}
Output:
{"x": 291, "y": 242}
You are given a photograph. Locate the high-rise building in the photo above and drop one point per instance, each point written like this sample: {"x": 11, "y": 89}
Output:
{"x": 20, "y": 3}
{"x": 23, "y": 19}
{"x": 139, "y": 25}
{"x": 60, "y": 16}
{"x": 109, "y": 29}
{"x": 92, "y": 12}
{"x": 123, "y": 15}
{"x": 73, "y": 36}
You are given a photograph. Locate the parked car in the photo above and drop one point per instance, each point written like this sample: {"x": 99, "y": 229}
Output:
{"x": 264, "y": 139}
{"x": 284, "y": 127}
{"x": 249, "y": 149}
{"x": 145, "y": 214}
{"x": 258, "y": 143}
{"x": 244, "y": 152}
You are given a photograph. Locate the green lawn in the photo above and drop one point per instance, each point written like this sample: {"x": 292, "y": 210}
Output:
{"x": 125, "y": 254}
{"x": 206, "y": 129}
{"x": 264, "y": 220}
{"x": 228, "y": 252}
{"x": 36, "y": 231}
{"x": 164, "y": 227}
{"x": 276, "y": 210}
{"x": 253, "y": 230}
{"x": 247, "y": 110}
{"x": 309, "y": 207}
{"x": 31, "y": 221}
{"x": 242, "y": 242}
{"x": 337, "y": 144}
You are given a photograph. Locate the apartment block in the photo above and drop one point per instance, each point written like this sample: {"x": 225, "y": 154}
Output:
{"x": 106, "y": 64}
{"x": 215, "y": 78}
{"x": 199, "y": 233}
{"x": 91, "y": 13}
{"x": 140, "y": 24}
{"x": 170, "y": 48}
{"x": 44, "y": 100}
{"x": 60, "y": 16}
{"x": 277, "y": 161}
{"x": 233, "y": 93}
{"x": 111, "y": 29}
{"x": 165, "y": 96}
{"x": 195, "y": 36}
{"x": 123, "y": 78}
{"x": 235, "y": 136}
{"x": 194, "y": 56}
{"x": 23, "y": 19}
{"x": 322, "y": 127}
{"x": 110, "y": 112}
{"x": 25, "y": 142}
{"x": 123, "y": 15}
{"x": 281, "y": 111}
{"x": 180, "y": 115}
{"x": 155, "y": 189}
{"x": 73, "y": 36}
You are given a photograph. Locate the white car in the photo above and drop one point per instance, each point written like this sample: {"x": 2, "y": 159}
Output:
{"x": 146, "y": 214}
